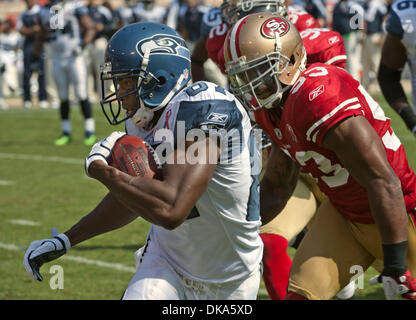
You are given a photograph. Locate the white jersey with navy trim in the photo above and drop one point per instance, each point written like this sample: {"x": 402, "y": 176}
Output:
{"x": 210, "y": 19}
{"x": 220, "y": 239}
{"x": 64, "y": 30}
{"x": 402, "y": 22}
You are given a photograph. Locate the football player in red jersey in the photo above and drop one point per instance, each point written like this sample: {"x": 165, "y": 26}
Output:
{"x": 302, "y": 20}
{"x": 322, "y": 45}
{"x": 325, "y": 45}
{"x": 323, "y": 121}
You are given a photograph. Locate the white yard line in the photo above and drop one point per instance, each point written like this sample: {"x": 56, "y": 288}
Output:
{"x": 24, "y": 222}
{"x": 35, "y": 157}
{"x": 99, "y": 263}
{"x": 7, "y": 183}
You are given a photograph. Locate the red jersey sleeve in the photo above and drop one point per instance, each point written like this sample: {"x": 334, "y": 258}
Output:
{"x": 215, "y": 43}
{"x": 324, "y": 46}
{"x": 303, "y": 20}
{"x": 330, "y": 95}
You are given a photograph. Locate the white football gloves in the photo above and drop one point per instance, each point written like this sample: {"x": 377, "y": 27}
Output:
{"x": 102, "y": 149}
{"x": 41, "y": 251}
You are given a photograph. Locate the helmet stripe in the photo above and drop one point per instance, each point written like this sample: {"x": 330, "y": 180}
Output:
{"x": 235, "y": 39}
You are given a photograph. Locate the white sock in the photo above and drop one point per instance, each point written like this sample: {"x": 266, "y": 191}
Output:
{"x": 89, "y": 125}
{"x": 66, "y": 126}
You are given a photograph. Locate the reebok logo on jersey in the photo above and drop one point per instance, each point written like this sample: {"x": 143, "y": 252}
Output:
{"x": 217, "y": 117}
{"x": 333, "y": 40}
{"x": 316, "y": 92}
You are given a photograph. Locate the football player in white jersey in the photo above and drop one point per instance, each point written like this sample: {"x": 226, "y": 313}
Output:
{"x": 68, "y": 28}
{"x": 399, "y": 47}
{"x": 206, "y": 204}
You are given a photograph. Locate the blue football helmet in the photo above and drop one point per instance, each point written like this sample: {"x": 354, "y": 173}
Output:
{"x": 153, "y": 53}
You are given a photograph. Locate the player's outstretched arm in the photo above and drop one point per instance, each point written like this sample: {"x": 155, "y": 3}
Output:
{"x": 393, "y": 60}
{"x": 278, "y": 183}
{"x": 166, "y": 203}
{"x": 362, "y": 153}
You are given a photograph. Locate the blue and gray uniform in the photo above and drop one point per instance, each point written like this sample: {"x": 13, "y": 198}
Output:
{"x": 31, "y": 63}
{"x": 375, "y": 11}
{"x": 227, "y": 213}
{"x": 192, "y": 21}
{"x": 155, "y": 14}
{"x": 210, "y": 19}
{"x": 124, "y": 16}
{"x": 401, "y": 22}
{"x": 346, "y": 12}
{"x": 102, "y": 15}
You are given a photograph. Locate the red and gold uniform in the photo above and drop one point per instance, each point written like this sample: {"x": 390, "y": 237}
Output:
{"x": 325, "y": 46}
{"x": 303, "y": 20}
{"x": 343, "y": 233}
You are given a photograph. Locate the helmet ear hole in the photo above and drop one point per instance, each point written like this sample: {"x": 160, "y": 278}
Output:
{"x": 162, "y": 81}
{"x": 292, "y": 60}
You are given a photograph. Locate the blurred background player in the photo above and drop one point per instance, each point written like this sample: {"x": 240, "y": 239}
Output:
{"x": 373, "y": 37}
{"x": 348, "y": 20}
{"x": 317, "y": 8}
{"x": 103, "y": 21}
{"x": 10, "y": 42}
{"x": 148, "y": 11}
{"x": 123, "y": 15}
{"x": 202, "y": 67}
{"x": 175, "y": 10}
{"x": 189, "y": 26}
{"x": 69, "y": 29}
{"x": 399, "y": 47}
{"x": 28, "y": 25}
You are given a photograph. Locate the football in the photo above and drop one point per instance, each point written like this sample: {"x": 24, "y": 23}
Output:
{"x": 135, "y": 157}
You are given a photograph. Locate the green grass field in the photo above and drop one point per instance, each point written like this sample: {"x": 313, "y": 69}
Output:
{"x": 43, "y": 186}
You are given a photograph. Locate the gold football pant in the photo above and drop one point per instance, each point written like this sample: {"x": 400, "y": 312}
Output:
{"x": 333, "y": 249}
{"x": 298, "y": 212}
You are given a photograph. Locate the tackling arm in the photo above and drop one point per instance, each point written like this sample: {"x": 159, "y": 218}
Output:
{"x": 278, "y": 183}
{"x": 362, "y": 153}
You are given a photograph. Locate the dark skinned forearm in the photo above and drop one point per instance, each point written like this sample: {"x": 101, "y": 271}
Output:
{"x": 109, "y": 215}
{"x": 362, "y": 153}
{"x": 277, "y": 185}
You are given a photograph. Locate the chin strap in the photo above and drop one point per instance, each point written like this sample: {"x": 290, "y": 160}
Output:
{"x": 144, "y": 114}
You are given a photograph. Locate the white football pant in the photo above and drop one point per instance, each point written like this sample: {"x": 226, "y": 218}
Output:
{"x": 73, "y": 71}
{"x": 155, "y": 279}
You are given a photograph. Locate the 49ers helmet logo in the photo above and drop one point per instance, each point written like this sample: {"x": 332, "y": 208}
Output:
{"x": 274, "y": 25}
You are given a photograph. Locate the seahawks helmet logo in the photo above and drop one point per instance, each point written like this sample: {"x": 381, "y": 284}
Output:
{"x": 163, "y": 44}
